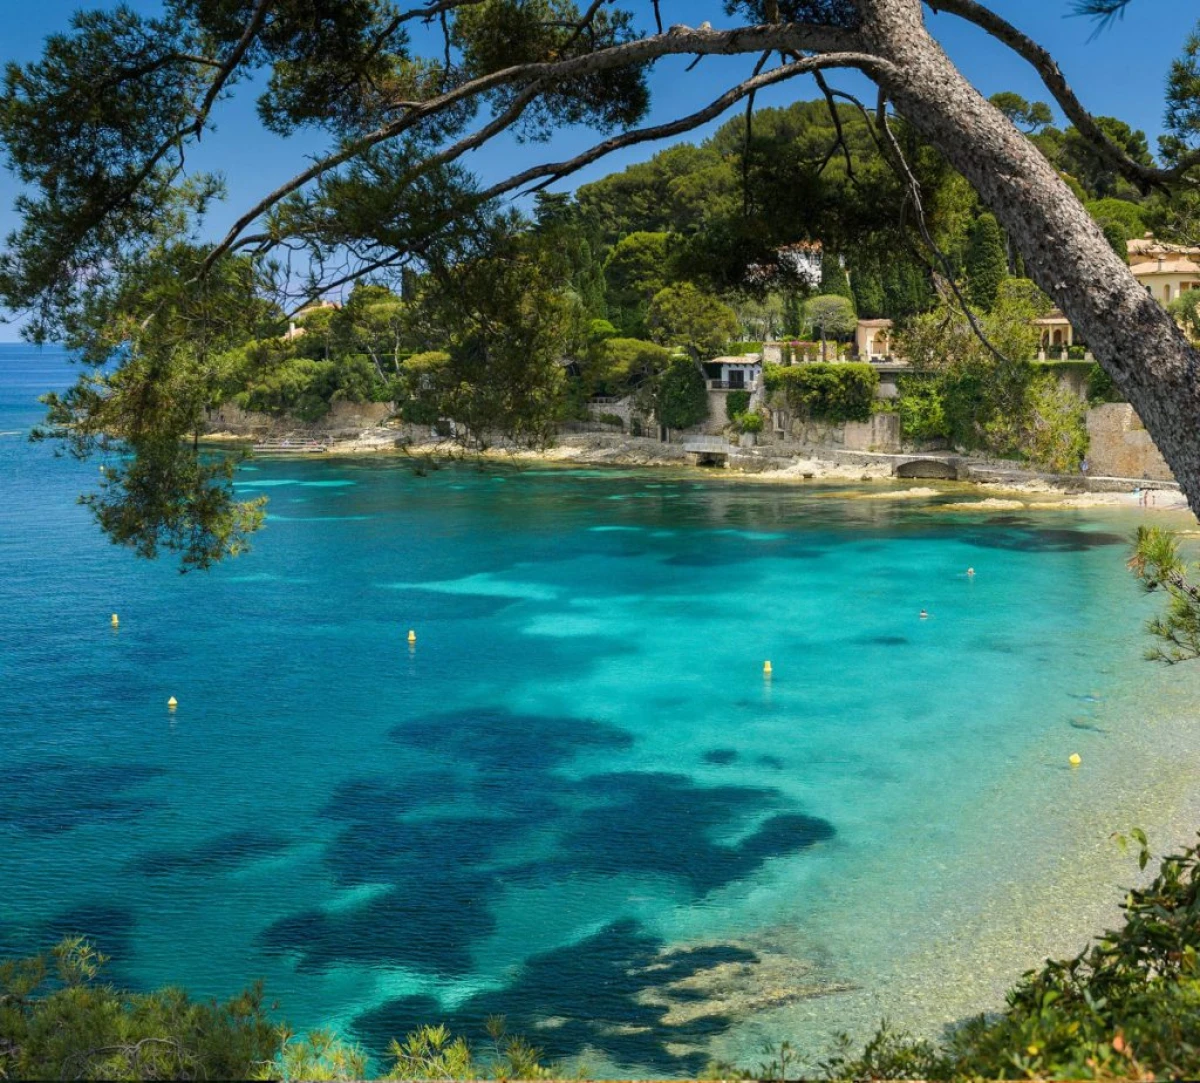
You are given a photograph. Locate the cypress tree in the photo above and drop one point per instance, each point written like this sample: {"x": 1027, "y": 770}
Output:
{"x": 869, "y": 296}
{"x": 834, "y": 279}
{"x": 986, "y": 265}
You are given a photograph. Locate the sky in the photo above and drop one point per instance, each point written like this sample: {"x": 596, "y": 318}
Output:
{"x": 1117, "y": 72}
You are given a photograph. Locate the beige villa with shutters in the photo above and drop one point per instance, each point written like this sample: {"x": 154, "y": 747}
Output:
{"x": 1166, "y": 270}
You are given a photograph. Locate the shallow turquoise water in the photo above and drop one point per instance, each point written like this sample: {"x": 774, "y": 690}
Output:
{"x": 578, "y": 790}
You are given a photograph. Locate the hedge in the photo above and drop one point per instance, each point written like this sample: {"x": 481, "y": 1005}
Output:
{"x": 826, "y": 392}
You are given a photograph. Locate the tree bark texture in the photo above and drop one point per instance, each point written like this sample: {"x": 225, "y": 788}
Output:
{"x": 1066, "y": 254}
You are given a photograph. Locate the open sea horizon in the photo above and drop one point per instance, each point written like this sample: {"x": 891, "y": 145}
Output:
{"x": 577, "y": 801}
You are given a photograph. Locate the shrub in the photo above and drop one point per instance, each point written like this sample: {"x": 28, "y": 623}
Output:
{"x": 611, "y": 419}
{"x": 681, "y": 398}
{"x": 1100, "y": 387}
{"x": 826, "y": 392}
{"x": 750, "y": 422}
{"x": 1076, "y": 353}
{"x": 736, "y": 402}
{"x": 741, "y": 349}
{"x": 922, "y": 409}
{"x": 1056, "y": 428}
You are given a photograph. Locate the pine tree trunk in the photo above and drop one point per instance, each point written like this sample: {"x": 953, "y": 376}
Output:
{"x": 1065, "y": 252}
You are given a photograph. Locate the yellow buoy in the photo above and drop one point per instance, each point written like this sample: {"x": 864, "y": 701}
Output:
{"x": 172, "y": 703}
{"x": 115, "y": 620}
{"x": 766, "y": 669}
{"x": 1074, "y": 759}
{"x": 412, "y": 636}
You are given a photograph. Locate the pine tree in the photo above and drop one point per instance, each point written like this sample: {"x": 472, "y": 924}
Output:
{"x": 986, "y": 265}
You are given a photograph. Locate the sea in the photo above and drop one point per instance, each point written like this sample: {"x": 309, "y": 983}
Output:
{"x": 576, "y": 800}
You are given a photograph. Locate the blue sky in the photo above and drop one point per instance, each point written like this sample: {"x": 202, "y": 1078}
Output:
{"x": 1119, "y": 72}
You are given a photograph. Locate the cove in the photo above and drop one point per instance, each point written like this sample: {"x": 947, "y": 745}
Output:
{"x": 576, "y": 802}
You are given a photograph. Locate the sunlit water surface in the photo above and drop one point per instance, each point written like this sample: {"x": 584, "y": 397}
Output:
{"x": 577, "y": 801}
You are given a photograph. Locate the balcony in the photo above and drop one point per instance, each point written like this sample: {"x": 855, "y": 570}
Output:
{"x": 733, "y": 385}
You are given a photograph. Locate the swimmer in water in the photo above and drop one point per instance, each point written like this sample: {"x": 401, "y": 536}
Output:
{"x": 970, "y": 573}
{"x": 924, "y": 615}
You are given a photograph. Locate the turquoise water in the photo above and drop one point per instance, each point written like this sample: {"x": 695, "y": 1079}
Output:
{"x": 577, "y": 801}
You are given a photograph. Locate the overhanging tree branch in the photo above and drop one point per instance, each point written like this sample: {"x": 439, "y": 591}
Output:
{"x": 788, "y": 37}
{"x": 1145, "y": 177}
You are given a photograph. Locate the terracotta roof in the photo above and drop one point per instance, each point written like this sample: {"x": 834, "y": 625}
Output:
{"x": 1166, "y": 267}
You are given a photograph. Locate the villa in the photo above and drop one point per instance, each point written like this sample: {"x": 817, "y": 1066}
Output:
{"x": 734, "y": 373}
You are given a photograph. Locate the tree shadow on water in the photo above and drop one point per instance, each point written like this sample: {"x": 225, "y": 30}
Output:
{"x": 588, "y": 995}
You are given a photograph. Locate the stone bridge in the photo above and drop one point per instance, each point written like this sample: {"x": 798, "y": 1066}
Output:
{"x": 944, "y": 467}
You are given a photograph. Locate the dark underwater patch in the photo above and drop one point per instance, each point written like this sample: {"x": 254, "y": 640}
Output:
{"x": 721, "y": 756}
{"x": 499, "y": 740}
{"x": 773, "y": 762}
{"x": 43, "y": 798}
{"x": 658, "y": 824}
{"x": 1027, "y": 537}
{"x": 887, "y": 640}
{"x": 217, "y": 854}
{"x": 593, "y": 991}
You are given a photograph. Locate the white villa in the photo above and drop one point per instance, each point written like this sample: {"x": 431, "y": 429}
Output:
{"x": 734, "y": 373}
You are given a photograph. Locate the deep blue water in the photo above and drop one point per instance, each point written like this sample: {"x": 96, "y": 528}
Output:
{"x": 578, "y": 790}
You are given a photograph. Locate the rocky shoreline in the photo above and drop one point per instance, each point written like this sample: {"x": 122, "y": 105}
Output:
{"x": 1010, "y": 487}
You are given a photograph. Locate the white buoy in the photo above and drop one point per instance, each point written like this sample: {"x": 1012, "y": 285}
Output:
{"x": 412, "y": 636}
{"x": 172, "y": 703}
{"x": 767, "y": 669}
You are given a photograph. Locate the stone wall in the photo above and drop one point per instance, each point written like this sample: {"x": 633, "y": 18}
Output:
{"x": 1120, "y": 447}
{"x": 880, "y": 433}
{"x": 343, "y": 419}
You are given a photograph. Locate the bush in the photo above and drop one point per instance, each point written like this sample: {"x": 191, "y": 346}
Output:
{"x": 826, "y": 392}
{"x": 741, "y": 349}
{"x": 922, "y": 409}
{"x": 736, "y": 402}
{"x": 1100, "y": 387}
{"x": 611, "y": 419}
{"x": 681, "y": 398}
{"x": 1076, "y": 353}
{"x": 751, "y": 422}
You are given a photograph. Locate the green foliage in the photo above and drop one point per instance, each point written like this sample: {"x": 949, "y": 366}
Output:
{"x": 749, "y": 422}
{"x": 740, "y": 349}
{"x": 985, "y": 397}
{"x": 58, "y": 1021}
{"x": 922, "y": 408}
{"x": 1026, "y": 115}
{"x": 1100, "y": 387}
{"x": 833, "y": 315}
{"x": 635, "y": 270}
{"x": 681, "y": 396}
{"x": 1186, "y": 310}
{"x": 834, "y": 392}
{"x": 986, "y": 262}
{"x": 617, "y": 366}
{"x": 1114, "y": 233}
{"x": 834, "y": 280}
{"x": 319, "y": 1056}
{"x": 1157, "y": 563}
{"x": 736, "y": 402}
{"x": 684, "y": 316}
{"x": 1055, "y": 427}
{"x": 1129, "y": 216}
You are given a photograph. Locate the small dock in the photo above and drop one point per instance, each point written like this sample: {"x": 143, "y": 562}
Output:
{"x": 290, "y": 447}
